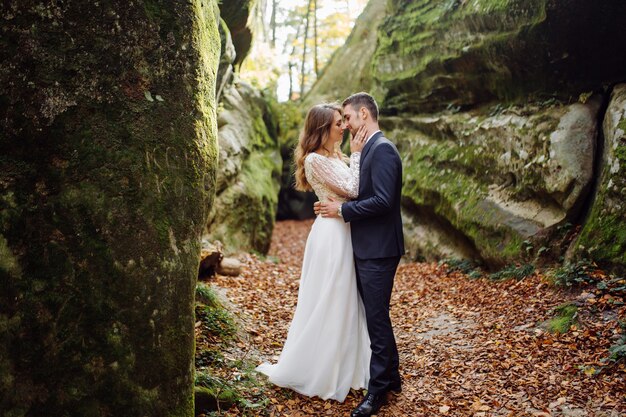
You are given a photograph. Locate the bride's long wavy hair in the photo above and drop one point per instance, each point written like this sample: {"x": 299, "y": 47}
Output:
{"x": 317, "y": 124}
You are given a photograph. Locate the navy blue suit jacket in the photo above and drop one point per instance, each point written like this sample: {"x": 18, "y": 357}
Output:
{"x": 375, "y": 220}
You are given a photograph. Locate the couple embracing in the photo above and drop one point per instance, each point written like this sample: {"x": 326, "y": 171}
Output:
{"x": 341, "y": 335}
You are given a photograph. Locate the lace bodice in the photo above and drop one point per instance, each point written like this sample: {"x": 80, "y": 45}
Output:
{"x": 332, "y": 177}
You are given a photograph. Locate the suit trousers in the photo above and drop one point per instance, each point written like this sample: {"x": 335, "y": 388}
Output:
{"x": 375, "y": 283}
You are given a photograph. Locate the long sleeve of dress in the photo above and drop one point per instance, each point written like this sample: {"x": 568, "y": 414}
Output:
{"x": 334, "y": 174}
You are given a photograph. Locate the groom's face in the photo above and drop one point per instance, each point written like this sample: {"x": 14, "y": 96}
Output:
{"x": 351, "y": 119}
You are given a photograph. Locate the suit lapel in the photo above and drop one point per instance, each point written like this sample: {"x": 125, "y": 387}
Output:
{"x": 369, "y": 144}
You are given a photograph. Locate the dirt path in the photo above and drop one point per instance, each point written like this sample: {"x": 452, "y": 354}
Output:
{"x": 468, "y": 347}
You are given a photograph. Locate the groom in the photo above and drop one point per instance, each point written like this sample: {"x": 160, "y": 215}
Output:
{"x": 377, "y": 242}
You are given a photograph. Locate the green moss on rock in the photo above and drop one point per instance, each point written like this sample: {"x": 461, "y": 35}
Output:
{"x": 495, "y": 179}
{"x": 565, "y": 317}
{"x": 245, "y": 213}
{"x": 236, "y": 13}
{"x": 249, "y": 178}
{"x": 434, "y": 54}
{"x": 107, "y": 172}
{"x": 603, "y": 237}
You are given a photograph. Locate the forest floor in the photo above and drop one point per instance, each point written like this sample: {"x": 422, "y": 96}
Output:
{"x": 468, "y": 346}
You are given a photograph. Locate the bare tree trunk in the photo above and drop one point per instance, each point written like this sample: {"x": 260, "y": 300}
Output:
{"x": 260, "y": 18}
{"x": 306, "y": 38}
{"x": 273, "y": 22}
{"x": 292, "y": 62}
{"x": 291, "y": 65}
{"x": 316, "y": 66}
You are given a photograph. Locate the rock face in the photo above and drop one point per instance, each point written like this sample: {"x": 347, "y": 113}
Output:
{"x": 495, "y": 107}
{"x": 435, "y": 54}
{"x": 478, "y": 185}
{"x": 107, "y": 167}
{"x": 604, "y": 234}
{"x": 235, "y": 14}
{"x": 248, "y": 179}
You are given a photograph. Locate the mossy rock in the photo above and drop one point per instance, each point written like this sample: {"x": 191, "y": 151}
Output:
{"x": 236, "y": 13}
{"x": 483, "y": 182}
{"x": 603, "y": 237}
{"x": 213, "y": 399}
{"x": 564, "y": 318}
{"x": 433, "y": 54}
{"x": 248, "y": 180}
{"x": 108, "y": 160}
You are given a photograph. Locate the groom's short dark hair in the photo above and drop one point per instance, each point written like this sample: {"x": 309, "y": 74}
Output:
{"x": 362, "y": 99}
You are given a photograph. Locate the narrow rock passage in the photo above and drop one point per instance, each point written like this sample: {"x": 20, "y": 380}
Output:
{"x": 468, "y": 347}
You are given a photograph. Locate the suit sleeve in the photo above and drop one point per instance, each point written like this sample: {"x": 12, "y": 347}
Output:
{"x": 385, "y": 170}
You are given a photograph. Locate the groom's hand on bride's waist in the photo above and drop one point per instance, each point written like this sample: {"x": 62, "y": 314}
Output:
{"x": 329, "y": 208}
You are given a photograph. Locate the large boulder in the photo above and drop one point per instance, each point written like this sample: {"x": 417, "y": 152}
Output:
{"x": 108, "y": 145}
{"x": 486, "y": 177}
{"x": 248, "y": 179}
{"x": 603, "y": 237}
{"x": 436, "y": 54}
{"x": 225, "y": 71}
{"x": 478, "y": 184}
{"x": 236, "y": 14}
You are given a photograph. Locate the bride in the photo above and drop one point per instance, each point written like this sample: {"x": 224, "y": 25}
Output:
{"x": 327, "y": 348}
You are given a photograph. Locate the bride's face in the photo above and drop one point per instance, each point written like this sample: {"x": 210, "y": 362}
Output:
{"x": 335, "y": 135}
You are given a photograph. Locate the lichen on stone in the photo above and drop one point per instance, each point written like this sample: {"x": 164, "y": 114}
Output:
{"x": 104, "y": 198}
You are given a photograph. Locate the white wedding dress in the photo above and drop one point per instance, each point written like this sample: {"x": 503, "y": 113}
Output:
{"x": 327, "y": 350}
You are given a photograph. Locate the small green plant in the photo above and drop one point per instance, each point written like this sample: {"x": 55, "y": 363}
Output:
{"x": 223, "y": 381}
{"x": 564, "y": 228}
{"x": 565, "y": 317}
{"x": 572, "y": 274}
{"x": 475, "y": 274}
{"x": 465, "y": 266}
{"x": 211, "y": 313}
{"x": 242, "y": 388}
{"x": 518, "y": 272}
{"x": 527, "y": 247}
{"x": 617, "y": 352}
{"x": 274, "y": 259}
{"x": 205, "y": 295}
{"x": 217, "y": 321}
{"x": 542, "y": 250}
{"x": 213, "y": 393}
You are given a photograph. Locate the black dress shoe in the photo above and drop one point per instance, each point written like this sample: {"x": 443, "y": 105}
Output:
{"x": 370, "y": 405}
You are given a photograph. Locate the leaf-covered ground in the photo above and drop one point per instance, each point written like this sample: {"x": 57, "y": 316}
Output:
{"x": 468, "y": 347}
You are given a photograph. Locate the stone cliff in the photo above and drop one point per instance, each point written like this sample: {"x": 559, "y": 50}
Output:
{"x": 250, "y": 163}
{"x": 108, "y": 156}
